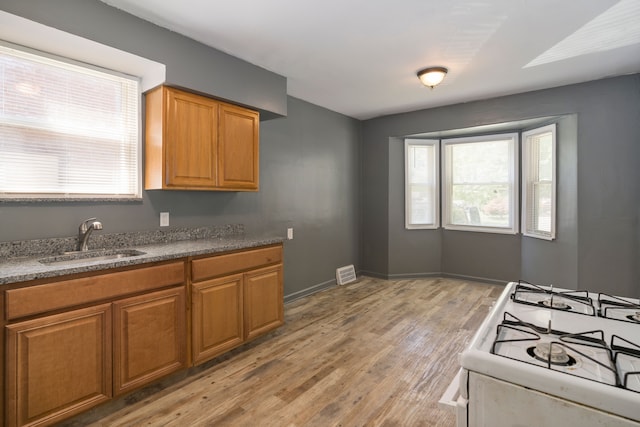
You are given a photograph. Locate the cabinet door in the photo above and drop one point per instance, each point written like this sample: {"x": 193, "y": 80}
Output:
{"x": 58, "y": 365}
{"x": 263, "y": 301}
{"x": 149, "y": 338}
{"x": 238, "y": 148}
{"x": 190, "y": 140}
{"x": 216, "y": 317}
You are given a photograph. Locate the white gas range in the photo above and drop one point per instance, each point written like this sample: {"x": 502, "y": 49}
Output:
{"x": 551, "y": 357}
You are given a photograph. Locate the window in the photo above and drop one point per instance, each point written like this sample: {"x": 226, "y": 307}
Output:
{"x": 67, "y": 131}
{"x": 421, "y": 183}
{"x": 539, "y": 182}
{"x": 480, "y": 190}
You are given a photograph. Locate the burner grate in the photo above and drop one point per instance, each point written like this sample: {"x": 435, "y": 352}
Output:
{"x": 584, "y": 354}
{"x": 627, "y": 359}
{"x": 536, "y": 295}
{"x": 618, "y": 308}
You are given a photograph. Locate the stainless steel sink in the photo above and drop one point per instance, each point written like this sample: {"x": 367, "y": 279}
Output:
{"x": 76, "y": 258}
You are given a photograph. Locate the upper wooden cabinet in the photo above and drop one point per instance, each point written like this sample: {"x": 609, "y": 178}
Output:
{"x": 197, "y": 143}
{"x": 237, "y": 147}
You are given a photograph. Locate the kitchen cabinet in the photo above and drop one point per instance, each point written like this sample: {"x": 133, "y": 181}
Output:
{"x": 235, "y": 298}
{"x": 238, "y": 148}
{"x": 263, "y": 301}
{"x": 217, "y": 317}
{"x": 75, "y": 342}
{"x": 149, "y": 338}
{"x": 197, "y": 143}
{"x": 58, "y": 365}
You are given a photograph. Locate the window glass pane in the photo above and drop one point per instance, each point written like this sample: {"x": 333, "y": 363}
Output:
{"x": 538, "y": 178}
{"x": 481, "y": 162}
{"x": 542, "y": 192}
{"x": 545, "y": 156}
{"x": 421, "y": 204}
{"x": 480, "y": 187}
{"x": 66, "y": 130}
{"x": 421, "y": 191}
{"x": 485, "y": 205}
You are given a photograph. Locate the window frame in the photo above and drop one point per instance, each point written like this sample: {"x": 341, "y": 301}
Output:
{"x": 63, "y": 196}
{"x": 435, "y": 143}
{"x": 514, "y": 183}
{"x": 527, "y": 177}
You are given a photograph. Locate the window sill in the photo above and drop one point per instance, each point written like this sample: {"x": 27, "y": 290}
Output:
{"x": 71, "y": 199}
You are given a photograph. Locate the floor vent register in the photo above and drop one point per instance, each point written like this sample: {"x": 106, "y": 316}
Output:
{"x": 346, "y": 274}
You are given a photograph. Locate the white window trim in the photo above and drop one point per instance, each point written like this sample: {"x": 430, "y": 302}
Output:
{"x": 525, "y": 179}
{"x": 407, "y": 196}
{"x": 514, "y": 175}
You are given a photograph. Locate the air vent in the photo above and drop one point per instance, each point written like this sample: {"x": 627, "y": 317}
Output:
{"x": 345, "y": 275}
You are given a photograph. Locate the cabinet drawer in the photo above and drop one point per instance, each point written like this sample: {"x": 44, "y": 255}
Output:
{"x": 206, "y": 268}
{"x": 68, "y": 293}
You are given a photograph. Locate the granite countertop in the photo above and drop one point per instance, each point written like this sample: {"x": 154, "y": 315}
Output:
{"x": 23, "y": 268}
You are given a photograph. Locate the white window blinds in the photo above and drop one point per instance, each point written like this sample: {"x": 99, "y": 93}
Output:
{"x": 539, "y": 182}
{"x": 421, "y": 184}
{"x": 66, "y": 130}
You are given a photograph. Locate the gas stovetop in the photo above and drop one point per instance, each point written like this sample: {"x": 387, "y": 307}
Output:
{"x": 577, "y": 345}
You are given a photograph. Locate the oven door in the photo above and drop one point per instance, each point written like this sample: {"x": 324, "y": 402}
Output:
{"x": 455, "y": 398}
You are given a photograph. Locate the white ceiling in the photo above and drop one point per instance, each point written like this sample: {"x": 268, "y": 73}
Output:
{"x": 360, "y": 57}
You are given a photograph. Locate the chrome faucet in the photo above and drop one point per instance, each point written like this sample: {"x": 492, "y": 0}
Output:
{"x": 84, "y": 231}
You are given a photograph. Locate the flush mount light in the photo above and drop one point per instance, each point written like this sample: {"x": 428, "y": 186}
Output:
{"x": 432, "y": 76}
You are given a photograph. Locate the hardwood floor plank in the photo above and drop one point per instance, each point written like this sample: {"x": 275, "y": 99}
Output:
{"x": 372, "y": 353}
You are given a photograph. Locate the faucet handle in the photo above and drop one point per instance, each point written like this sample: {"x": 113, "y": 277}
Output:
{"x": 84, "y": 224}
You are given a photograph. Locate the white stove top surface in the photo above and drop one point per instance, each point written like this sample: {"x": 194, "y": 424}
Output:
{"x": 630, "y": 364}
{"x": 588, "y": 362}
{"x": 588, "y": 383}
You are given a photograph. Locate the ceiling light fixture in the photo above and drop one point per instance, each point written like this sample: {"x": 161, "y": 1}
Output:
{"x": 432, "y": 76}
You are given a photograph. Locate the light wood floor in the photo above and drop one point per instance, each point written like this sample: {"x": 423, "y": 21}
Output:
{"x": 372, "y": 353}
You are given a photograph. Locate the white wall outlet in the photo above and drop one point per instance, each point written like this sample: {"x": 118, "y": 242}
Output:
{"x": 164, "y": 219}
{"x": 290, "y": 233}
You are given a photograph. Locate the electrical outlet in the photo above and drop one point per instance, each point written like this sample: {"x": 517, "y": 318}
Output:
{"x": 290, "y": 233}
{"x": 164, "y": 219}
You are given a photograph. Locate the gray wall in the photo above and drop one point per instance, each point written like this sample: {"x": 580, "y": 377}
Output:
{"x": 310, "y": 168}
{"x": 598, "y": 243}
{"x": 309, "y": 160}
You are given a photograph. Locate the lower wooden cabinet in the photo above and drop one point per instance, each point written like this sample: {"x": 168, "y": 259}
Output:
{"x": 58, "y": 365}
{"x": 235, "y": 298}
{"x": 263, "y": 301}
{"x": 149, "y": 338}
{"x": 217, "y": 317}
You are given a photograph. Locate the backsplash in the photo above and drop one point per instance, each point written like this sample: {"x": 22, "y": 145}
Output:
{"x": 54, "y": 246}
